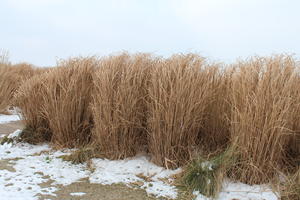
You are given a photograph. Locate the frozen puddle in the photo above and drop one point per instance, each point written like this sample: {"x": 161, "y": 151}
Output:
{"x": 35, "y": 165}
{"x": 8, "y": 118}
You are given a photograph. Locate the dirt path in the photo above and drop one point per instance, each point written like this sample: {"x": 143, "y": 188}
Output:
{"x": 98, "y": 192}
{"x": 91, "y": 191}
{"x": 10, "y": 127}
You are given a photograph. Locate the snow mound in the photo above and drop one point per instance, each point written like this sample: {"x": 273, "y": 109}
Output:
{"x": 8, "y": 118}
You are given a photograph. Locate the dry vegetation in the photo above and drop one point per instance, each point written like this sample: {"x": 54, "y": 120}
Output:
{"x": 119, "y": 107}
{"x": 29, "y": 98}
{"x": 177, "y": 109}
{"x": 265, "y": 109}
{"x": 56, "y": 105}
{"x": 11, "y": 78}
{"x": 180, "y": 92}
{"x": 290, "y": 190}
{"x": 67, "y": 100}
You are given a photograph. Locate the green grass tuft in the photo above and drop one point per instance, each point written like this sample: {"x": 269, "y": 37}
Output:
{"x": 6, "y": 139}
{"x": 206, "y": 175}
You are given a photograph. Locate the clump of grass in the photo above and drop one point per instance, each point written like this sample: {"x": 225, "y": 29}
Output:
{"x": 66, "y": 98}
{"x": 81, "y": 155}
{"x": 6, "y": 140}
{"x": 119, "y": 107}
{"x": 206, "y": 175}
{"x": 34, "y": 135}
{"x": 30, "y": 99}
{"x": 264, "y": 98}
{"x": 179, "y": 92}
{"x": 11, "y": 77}
{"x": 55, "y": 104}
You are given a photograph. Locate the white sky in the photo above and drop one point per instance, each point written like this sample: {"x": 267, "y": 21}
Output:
{"x": 42, "y": 31}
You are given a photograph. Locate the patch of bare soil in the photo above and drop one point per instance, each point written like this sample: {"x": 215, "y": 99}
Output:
{"x": 5, "y": 165}
{"x": 98, "y": 192}
{"x": 10, "y": 127}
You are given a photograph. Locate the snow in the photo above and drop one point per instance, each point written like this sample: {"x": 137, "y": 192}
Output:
{"x": 8, "y": 118}
{"x": 20, "y": 150}
{"x": 130, "y": 170}
{"x": 36, "y": 164}
{"x": 32, "y": 169}
{"x": 233, "y": 190}
{"x": 63, "y": 173}
{"x": 77, "y": 193}
{"x": 15, "y": 134}
{"x": 207, "y": 165}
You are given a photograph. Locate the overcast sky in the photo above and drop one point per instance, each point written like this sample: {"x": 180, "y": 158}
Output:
{"x": 42, "y": 31}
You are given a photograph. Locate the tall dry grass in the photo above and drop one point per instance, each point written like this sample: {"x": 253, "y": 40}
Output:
{"x": 215, "y": 134}
{"x": 119, "y": 108}
{"x": 4, "y": 57}
{"x": 55, "y": 104}
{"x": 180, "y": 91}
{"x": 175, "y": 109}
{"x": 11, "y": 77}
{"x": 30, "y": 99}
{"x": 293, "y": 152}
{"x": 265, "y": 98}
{"x": 66, "y": 99}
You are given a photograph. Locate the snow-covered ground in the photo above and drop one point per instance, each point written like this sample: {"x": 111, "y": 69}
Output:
{"x": 240, "y": 191}
{"x": 8, "y": 118}
{"x": 14, "y": 115}
{"x": 36, "y": 164}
